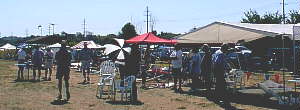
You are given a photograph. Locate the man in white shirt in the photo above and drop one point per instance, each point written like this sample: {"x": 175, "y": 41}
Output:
{"x": 21, "y": 62}
{"x": 176, "y": 67}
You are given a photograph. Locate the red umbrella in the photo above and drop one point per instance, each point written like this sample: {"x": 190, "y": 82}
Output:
{"x": 150, "y": 38}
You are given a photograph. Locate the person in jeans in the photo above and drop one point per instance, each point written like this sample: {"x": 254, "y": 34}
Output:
{"x": 48, "y": 64}
{"x": 63, "y": 61}
{"x": 176, "y": 67}
{"x": 86, "y": 58}
{"x": 21, "y": 60}
{"x": 37, "y": 61}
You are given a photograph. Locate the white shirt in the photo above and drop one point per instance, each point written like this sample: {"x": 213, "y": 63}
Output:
{"x": 177, "y": 63}
{"x": 21, "y": 54}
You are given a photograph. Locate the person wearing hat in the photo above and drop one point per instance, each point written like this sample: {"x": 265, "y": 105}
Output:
{"x": 48, "y": 64}
{"x": 21, "y": 60}
{"x": 219, "y": 68}
{"x": 86, "y": 58}
{"x": 63, "y": 61}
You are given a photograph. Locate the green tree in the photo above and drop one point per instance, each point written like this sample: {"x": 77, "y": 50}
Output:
{"x": 294, "y": 17}
{"x": 251, "y": 16}
{"x": 128, "y": 31}
{"x": 167, "y": 35}
{"x": 271, "y": 18}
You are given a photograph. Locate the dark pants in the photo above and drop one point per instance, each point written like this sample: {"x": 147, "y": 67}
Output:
{"x": 177, "y": 77}
{"x": 21, "y": 69}
{"x": 221, "y": 91}
{"x": 63, "y": 72}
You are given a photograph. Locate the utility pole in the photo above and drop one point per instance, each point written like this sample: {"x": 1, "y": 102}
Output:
{"x": 52, "y": 28}
{"x": 49, "y": 29}
{"x": 283, "y": 11}
{"x": 147, "y": 21}
{"x": 84, "y": 28}
{"x": 26, "y": 33}
{"x": 40, "y": 27}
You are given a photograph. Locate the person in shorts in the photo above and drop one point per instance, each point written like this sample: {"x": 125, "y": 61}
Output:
{"x": 48, "y": 64}
{"x": 176, "y": 68}
{"x": 37, "y": 61}
{"x": 63, "y": 61}
{"x": 86, "y": 58}
{"x": 21, "y": 61}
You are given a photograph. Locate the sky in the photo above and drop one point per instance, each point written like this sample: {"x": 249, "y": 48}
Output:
{"x": 103, "y": 17}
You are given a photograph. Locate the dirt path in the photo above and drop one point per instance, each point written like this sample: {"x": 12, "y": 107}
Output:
{"x": 39, "y": 95}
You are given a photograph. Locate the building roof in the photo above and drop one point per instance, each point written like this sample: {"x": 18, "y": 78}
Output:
{"x": 222, "y": 32}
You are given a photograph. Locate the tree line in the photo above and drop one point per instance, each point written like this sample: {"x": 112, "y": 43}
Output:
{"x": 128, "y": 31}
{"x": 252, "y": 16}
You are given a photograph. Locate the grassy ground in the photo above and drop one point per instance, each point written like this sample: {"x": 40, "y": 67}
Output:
{"x": 29, "y": 95}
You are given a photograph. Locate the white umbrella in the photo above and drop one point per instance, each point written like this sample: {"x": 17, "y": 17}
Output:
{"x": 110, "y": 48}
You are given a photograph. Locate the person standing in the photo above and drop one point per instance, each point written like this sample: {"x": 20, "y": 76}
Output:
{"x": 21, "y": 62}
{"x": 176, "y": 68}
{"x": 195, "y": 69}
{"x": 63, "y": 61}
{"x": 37, "y": 61}
{"x": 206, "y": 66}
{"x": 86, "y": 59}
{"x": 220, "y": 66}
{"x": 48, "y": 64}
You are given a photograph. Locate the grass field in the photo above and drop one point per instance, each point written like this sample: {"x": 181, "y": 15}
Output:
{"x": 28, "y": 95}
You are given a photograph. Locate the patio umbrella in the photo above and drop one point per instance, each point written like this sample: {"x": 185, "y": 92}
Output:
{"x": 117, "y": 51}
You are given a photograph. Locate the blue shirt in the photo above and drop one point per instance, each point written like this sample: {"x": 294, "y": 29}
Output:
{"x": 86, "y": 54}
{"x": 196, "y": 61}
{"x": 37, "y": 58}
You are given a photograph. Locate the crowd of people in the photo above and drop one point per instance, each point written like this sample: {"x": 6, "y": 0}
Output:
{"x": 41, "y": 60}
{"x": 202, "y": 69}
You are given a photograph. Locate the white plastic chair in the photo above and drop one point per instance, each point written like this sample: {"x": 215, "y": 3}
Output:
{"x": 108, "y": 71}
{"x": 126, "y": 88}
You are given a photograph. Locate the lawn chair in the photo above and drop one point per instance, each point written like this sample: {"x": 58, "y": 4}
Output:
{"x": 108, "y": 70}
{"x": 126, "y": 88}
{"x": 235, "y": 78}
{"x": 275, "y": 90}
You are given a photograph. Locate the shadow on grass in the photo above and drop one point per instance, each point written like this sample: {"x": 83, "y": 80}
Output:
{"x": 59, "y": 102}
{"x": 84, "y": 83}
{"x": 258, "y": 100}
{"x": 31, "y": 80}
{"x": 125, "y": 103}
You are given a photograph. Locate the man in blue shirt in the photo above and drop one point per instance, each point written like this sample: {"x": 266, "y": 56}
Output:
{"x": 86, "y": 58}
{"x": 37, "y": 61}
{"x": 195, "y": 68}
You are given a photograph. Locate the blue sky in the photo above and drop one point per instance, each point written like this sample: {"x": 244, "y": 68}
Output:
{"x": 108, "y": 16}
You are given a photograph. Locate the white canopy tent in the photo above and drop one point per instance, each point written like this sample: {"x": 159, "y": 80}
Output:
{"x": 56, "y": 45}
{"x": 90, "y": 44}
{"x": 223, "y": 32}
{"x": 8, "y": 46}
